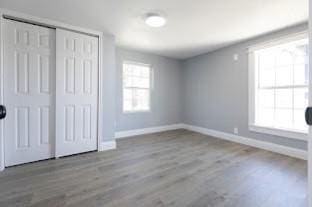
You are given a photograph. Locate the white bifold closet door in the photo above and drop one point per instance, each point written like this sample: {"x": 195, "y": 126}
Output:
{"x": 29, "y": 89}
{"x": 76, "y": 92}
{"x": 50, "y": 91}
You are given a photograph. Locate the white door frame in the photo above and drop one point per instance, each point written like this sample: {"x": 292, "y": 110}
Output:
{"x": 53, "y": 24}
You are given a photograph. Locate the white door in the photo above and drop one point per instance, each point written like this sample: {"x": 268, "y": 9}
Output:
{"x": 29, "y": 71}
{"x": 76, "y": 92}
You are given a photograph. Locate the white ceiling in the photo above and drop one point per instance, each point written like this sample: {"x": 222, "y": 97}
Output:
{"x": 193, "y": 26}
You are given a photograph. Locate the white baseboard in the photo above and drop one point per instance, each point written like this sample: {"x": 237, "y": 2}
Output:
{"x": 135, "y": 132}
{"x": 289, "y": 151}
{"x": 109, "y": 145}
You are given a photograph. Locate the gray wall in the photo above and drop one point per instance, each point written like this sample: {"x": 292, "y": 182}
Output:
{"x": 215, "y": 90}
{"x": 165, "y": 97}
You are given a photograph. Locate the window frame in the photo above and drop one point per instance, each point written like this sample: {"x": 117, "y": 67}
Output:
{"x": 252, "y": 84}
{"x": 151, "y": 83}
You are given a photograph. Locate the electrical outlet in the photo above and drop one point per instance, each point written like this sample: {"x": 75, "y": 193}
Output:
{"x": 235, "y": 130}
{"x": 235, "y": 57}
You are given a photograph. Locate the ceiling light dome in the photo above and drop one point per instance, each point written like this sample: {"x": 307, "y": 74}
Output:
{"x": 155, "y": 20}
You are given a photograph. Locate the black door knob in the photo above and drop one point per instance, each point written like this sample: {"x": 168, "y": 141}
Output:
{"x": 308, "y": 115}
{"x": 2, "y": 112}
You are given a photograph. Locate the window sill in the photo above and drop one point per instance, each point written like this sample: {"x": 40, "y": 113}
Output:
{"x": 279, "y": 132}
{"x": 136, "y": 112}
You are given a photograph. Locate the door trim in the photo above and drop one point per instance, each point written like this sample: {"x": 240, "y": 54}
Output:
{"x": 1, "y": 91}
{"x": 309, "y": 193}
{"x": 4, "y": 13}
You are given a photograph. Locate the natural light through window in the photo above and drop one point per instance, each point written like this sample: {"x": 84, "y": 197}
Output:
{"x": 136, "y": 87}
{"x": 281, "y": 79}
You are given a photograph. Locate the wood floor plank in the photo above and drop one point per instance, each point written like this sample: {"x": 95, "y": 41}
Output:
{"x": 176, "y": 168}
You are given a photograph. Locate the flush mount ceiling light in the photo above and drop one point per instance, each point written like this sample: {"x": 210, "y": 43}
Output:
{"x": 155, "y": 20}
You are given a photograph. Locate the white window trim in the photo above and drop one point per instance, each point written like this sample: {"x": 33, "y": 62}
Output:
{"x": 278, "y": 41}
{"x": 150, "y": 88}
{"x": 288, "y": 133}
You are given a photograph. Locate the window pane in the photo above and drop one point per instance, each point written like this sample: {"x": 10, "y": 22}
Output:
{"x": 301, "y": 54}
{"x": 126, "y": 70}
{"x": 301, "y": 98}
{"x": 283, "y": 98}
{"x": 283, "y": 118}
{"x": 145, "y": 72}
{"x": 299, "y": 121}
{"x": 127, "y": 94}
{"x": 144, "y": 83}
{"x": 265, "y": 117}
{"x": 127, "y": 81}
{"x": 284, "y": 76}
{"x": 127, "y": 105}
{"x": 267, "y": 77}
{"x": 266, "y": 98}
{"x": 136, "y": 71}
{"x": 139, "y": 82}
{"x": 136, "y": 82}
{"x": 141, "y": 99}
{"x": 300, "y": 59}
{"x": 284, "y": 58}
{"x": 301, "y": 74}
{"x": 267, "y": 59}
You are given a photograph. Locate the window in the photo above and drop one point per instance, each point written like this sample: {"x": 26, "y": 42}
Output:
{"x": 136, "y": 87}
{"x": 279, "y": 76}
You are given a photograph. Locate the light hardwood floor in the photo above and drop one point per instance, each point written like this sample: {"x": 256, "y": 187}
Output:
{"x": 176, "y": 168}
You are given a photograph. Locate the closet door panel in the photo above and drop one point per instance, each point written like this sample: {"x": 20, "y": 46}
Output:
{"x": 76, "y": 93}
{"x": 29, "y": 71}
